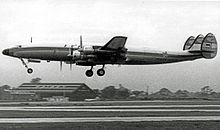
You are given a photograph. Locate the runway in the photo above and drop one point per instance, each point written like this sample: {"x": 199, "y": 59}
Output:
{"x": 110, "y": 115}
{"x": 109, "y": 119}
{"x": 127, "y": 109}
{"x": 143, "y": 108}
{"x": 77, "y": 113}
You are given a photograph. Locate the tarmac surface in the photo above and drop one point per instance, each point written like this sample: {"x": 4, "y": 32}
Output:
{"x": 129, "y": 114}
{"x": 103, "y": 111}
{"x": 109, "y": 119}
{"x": 142, "y": 108}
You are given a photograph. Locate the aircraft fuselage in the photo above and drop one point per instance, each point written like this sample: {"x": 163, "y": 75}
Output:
{"x": 132, "y": 57}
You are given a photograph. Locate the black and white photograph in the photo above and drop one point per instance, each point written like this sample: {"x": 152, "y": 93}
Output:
{"x": 109, "y": 65}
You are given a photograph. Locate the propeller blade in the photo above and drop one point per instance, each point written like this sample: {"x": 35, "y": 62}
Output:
{"x": 71, "y": 66}
{"x": 61, "y": 65}
{"x": 81, "y": 41}
{"x": 71, "y": 50}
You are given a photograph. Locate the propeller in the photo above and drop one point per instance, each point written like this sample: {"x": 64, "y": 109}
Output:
{"x": 71, "y": 53}
{"x": 71, "y": 50}
{"x": 81, "y": 41}
{"x": 61, "y": 65}
{"x": 71, "y": 66}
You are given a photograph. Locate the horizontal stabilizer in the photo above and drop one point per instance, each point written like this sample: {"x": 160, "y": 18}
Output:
{"x": 116, "y": 43}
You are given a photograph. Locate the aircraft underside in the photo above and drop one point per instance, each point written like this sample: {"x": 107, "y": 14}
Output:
{"x": 132, "y": 58}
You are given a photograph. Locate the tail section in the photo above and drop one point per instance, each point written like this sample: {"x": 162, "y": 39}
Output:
{"x": 196, "y": 46}
{"x": 188, "y": 43}
{"x": 207, "y": 45}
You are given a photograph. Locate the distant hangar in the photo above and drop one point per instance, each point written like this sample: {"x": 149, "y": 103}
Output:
{"x": 41, "y": 91}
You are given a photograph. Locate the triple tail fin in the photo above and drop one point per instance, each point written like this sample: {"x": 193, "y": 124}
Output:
{"x": 207, "y": 45}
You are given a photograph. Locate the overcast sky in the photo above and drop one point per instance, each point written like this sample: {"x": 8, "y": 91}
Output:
{"x": 160, "y": 25}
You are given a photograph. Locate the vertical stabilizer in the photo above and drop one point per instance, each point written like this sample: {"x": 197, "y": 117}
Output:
{"x": 209, "y": 46}
{"x": 188, "y": 43}
{"x": 196, "y": 46}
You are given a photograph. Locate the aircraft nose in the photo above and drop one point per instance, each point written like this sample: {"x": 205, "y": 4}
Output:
{"x": 5, "y": 52}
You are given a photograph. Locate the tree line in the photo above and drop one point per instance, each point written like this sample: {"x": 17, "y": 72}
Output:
{"x": 111, "y": 92}
{"x": 121, "y": 93}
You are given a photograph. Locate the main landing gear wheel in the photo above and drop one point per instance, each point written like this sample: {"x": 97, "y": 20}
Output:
{"x": 100, "y": 72}
{"x": 89, "y": 73}
{"x": 29, "y": 70}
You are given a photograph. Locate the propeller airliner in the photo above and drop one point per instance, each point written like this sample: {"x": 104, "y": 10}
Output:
{"x": 115, "y": 52}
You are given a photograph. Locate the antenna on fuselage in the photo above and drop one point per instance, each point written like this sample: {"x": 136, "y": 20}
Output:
{"x": 31, "y": 39}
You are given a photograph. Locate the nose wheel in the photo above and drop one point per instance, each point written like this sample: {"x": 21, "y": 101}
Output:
{"x": 29, "y": 70}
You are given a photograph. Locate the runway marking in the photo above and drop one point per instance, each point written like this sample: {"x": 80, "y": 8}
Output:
{"x": 133, "y": 106}
{"x": 109, "y": 119}
{"x": 152, "y": 108}
{"x": 122, "y": 110}
{"x": 104, "y": 107}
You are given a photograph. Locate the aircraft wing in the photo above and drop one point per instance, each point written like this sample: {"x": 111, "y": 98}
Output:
{"x": 116, "y": 43}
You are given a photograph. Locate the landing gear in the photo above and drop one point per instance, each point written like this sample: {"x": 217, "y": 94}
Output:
{"x": 89, "y": 73}
{"x": 29, "y": 70}
{"x": 101, "y": 72}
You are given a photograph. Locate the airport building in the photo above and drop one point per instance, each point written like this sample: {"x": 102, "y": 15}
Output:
{"x": 42, "y": 91}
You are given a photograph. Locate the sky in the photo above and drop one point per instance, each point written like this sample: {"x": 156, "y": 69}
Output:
{"x": 163, "y": 25}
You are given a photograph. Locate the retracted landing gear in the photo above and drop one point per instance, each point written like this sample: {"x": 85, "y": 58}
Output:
{"x": 29, "y": 70}
{"x": 101, "y": 72}
{"x": 89, "y": 73}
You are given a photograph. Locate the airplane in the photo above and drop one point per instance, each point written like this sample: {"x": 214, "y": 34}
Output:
{"x": 114, "y": 52}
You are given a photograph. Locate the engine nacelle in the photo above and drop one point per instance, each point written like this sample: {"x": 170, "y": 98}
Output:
{"x": 88, "y": 49}
{"x": 76, "y": 55}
